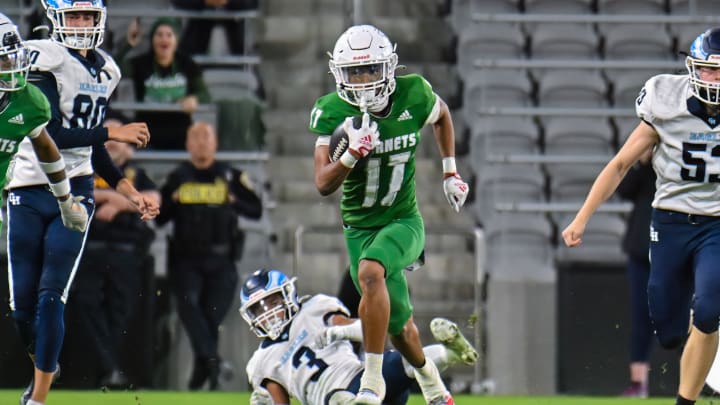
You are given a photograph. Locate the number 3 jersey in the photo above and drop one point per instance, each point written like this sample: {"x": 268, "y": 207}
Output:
{"x": 84, "y": 90}
{"x": 687, "y": 159}
{"x": 376, "y": 193}
{"x": 308, "y": 374}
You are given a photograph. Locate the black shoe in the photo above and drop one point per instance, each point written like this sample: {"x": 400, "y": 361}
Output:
{"x": 27, "y": 394}
{"x": 199, "y": 375}
{"x": 115, "y": 379}
{"x": 213, "y": 365}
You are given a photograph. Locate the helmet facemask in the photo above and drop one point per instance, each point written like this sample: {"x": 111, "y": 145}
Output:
{"x": 702, "y": 65}
{"x": 269, "y": 311}
{"x": 78, "y": 37}
{"x": 14, "y": 62}
{"x": 363, "y": 64}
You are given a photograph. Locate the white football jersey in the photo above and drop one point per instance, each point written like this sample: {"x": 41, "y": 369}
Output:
{"x": 687, "y": 160}
{"x": 84, "y": 93}
{"x": 309, "y": 374}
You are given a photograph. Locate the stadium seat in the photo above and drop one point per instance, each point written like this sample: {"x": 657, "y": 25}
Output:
{"x": 570, "y": 182}
{"x": 626, "y": 85}
{"x": 492, "y": 136}
{"x": 495, "y": 88}
{"x": 570, "y": 41}
{"x": 572, "y": 88}
{"x": 479, "y": 40}
{"x": 625, "y": 126}
{"x": 518, "y": 237}
{"x": 685, "y": 34}
{"x": 697, "y": 7}
{"x": 558, "y": 6}
{"x": 631, "y": 7}
{"x": 636, "y": 42}
{"x": 602, "y": 241}
{"x": 578, "y": 136}
{"x": 462, "y": 10}
{"x": 507, "y": 183}
{"x": 230, "y": 84}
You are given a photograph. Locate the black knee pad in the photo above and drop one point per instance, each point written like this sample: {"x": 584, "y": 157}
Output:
{"x": 672, "y": 342}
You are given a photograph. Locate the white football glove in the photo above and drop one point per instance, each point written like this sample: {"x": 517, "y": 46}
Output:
{"x": 74, "y": 214}
{"x": 363, "y": 140}
{"x": 456, "y": 190}
{"x": 332, "y": 334}
{"x": 260, "y": 396}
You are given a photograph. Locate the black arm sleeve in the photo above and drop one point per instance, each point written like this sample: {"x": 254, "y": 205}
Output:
{"x": 104, "y": 166}
{"x": 247, "y": 203}
{"x": 167, "y": 208}
{"x": 65, "y": 137}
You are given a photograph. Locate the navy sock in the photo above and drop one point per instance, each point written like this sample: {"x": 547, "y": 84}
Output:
{"x": 682, "y": 401}
{"x": 51, "y": 330}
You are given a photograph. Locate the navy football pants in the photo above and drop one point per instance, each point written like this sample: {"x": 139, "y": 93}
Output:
{"x": 42, "y": 258}
{"x": 685, "y": 273}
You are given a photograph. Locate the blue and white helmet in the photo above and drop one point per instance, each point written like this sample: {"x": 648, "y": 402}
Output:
{"x": 364, "y": 49}
{"x": 76, "y": 37}
{"x": 268, "y": 302}
{"x": 14, "y": 60}
{"x": 704, "y": 54}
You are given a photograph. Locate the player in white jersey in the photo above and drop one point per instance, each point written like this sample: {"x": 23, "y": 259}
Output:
{"x": 679, "y": 118}
{"x": 306, "y": 352}
{"x": 77, "y": 80}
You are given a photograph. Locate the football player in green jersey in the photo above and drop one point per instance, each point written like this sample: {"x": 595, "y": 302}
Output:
{"x": 24, "y": 111}
{"x": 383, "y": 229}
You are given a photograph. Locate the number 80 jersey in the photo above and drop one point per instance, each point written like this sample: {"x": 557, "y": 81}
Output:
{"x": 84, "y": 87}
{"x": 687, "y": 159}
{"x": 308, "y": 374}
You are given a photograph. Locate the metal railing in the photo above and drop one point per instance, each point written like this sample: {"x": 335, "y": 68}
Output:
{"x": 597, "y": 18}
{"x": 558, "y": 112}
{"x": 605, "y": 64}
{"x": 157, "y": 107}
{"x": 568, "y": 207}
{"x": 479, "y": 253}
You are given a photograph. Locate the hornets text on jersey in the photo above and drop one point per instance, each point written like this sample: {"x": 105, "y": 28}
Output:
{"x": 84, "y": 92}
{"x": 293, "y": 361}
{"x": 385, "y": 190}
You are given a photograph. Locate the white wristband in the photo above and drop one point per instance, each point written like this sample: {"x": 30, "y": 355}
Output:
{"x": 448, "y": 164}
{"x": 53, "y": 167}
{"x": 348, "y": 160}
{"x": 60, "y": 188}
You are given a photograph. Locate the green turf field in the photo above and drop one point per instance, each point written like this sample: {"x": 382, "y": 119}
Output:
{"x": 62, "y": 397}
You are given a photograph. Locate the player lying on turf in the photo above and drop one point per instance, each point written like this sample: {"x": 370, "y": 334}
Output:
{"x": 307, "y": 352}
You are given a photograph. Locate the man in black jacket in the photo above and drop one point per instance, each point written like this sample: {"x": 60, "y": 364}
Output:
{"x": 203, "y": 198}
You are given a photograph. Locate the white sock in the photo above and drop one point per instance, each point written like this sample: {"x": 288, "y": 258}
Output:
{"x": 372, "y": 376}
{"x": 439, "y": 355}
{"x": 428, "y": 378}
{"x": 31, "y": 402}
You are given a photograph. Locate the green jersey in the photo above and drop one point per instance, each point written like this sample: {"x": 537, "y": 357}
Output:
{"x": 26, "y": 114}
{"x": 383, "y": 189}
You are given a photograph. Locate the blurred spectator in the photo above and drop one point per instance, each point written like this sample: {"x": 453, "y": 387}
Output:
{"x": 196, "y": 36}
{"x": 638, "y": 186}
{"x": 203, "y": 199}
{"x": 108, "y": 283}
{"x": 165, "y": 75}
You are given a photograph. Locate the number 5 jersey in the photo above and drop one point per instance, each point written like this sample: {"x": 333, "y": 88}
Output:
{"x": 83, "y": 88}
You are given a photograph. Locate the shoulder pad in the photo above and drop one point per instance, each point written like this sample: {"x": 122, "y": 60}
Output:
{"x": 110, "y": 63}
{"x": 321, "y": 303}
{"x": 45, "y": 55}
{"x": 663, "y": 96}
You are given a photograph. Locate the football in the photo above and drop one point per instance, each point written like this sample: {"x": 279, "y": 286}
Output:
{"x": 339, "y": 142}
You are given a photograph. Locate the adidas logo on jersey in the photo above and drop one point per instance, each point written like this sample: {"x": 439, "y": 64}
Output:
{"x": 18, "y": 119}
{"x": 405, "y": 116}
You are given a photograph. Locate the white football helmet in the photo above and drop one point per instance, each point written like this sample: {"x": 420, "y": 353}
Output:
{"x": 76, "y": 37}
{"x": 704, "y": 54}
{"x": 268, "y": 302}
{"x": 363, "y": 64}
{"x": 14, "y": 61}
